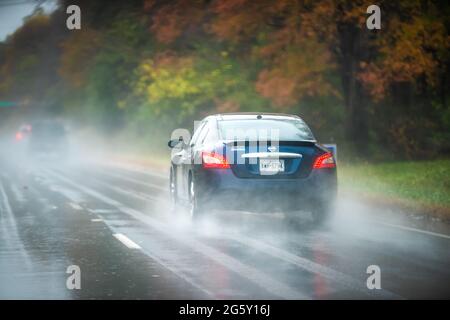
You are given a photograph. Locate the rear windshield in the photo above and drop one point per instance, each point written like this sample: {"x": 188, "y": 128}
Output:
{"x": 265, "y": 129}
{"x": 48, "y": 130}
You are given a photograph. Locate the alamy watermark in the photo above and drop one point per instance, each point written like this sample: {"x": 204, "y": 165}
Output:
{"x": 73, "y": 21}
{"x": 74, "y": 280}
{"x": 373, "y": 22}
{"x": 374, "y": 280}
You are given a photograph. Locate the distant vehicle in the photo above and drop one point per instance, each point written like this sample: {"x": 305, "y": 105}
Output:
{"x": 222, "y": 168}
{"x": 48, "y": 139}
{"x": 23, "y": 133}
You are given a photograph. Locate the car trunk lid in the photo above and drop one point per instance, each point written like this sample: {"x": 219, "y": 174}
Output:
{"x": 257, "y": 159}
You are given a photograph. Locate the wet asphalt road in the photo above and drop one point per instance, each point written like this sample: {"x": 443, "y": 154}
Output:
{"x": 114, "y": 223}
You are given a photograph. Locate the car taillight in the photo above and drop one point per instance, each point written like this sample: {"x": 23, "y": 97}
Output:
{"x": 19, "y": 136}
{"x": 325, "y": 160}
{"x": 214, "y": 160}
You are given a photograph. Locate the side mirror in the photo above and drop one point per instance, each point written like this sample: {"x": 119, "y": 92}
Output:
{"x": 175, "y": 142}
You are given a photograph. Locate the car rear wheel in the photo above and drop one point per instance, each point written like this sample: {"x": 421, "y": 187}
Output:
{"x": 173, "y": 193}
{"x": 195, "y": 207}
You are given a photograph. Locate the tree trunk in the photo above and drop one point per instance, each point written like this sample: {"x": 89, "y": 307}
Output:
{"x": 351, "y": 54}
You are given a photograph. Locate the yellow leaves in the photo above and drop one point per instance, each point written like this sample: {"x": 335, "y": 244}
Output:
{"x": 292, "y": 43}
{"x": 170, "y": 77}
{"x": 408, "y": 50}
{"x": 190, "y": 83}
{"x": 291, "y": 47}
{"x": 121, "y": 104}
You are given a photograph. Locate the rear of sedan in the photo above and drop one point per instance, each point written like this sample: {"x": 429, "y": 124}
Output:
{"x": 263, "y": 163}
{"x": 48, "y": 141}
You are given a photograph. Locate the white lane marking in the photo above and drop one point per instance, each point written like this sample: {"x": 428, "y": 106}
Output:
{"x": 252, "y": 274}
{"x": 2, "y": 209}
{"x": 435, "y": 234}
{"x": 319, "y": 269}
{"x": 162, "y": 176}
{"x": 158, "y": 258}
{"x": 261, "y": 279}
{"x": 132, "y": 180}
{"x": 360, "y": 206}
{"x": 97, "y": 211}
{"x": 20, "y": 197}
{"x": 139, "y": 169}
{"x": 126, "y": 241}
{"x": 313, "y": 267}
{"x": 291, "y": 258}
{"x": 134, "y": 194}
{"x": 71, "y": 194}
{"x": 310, "y": 266}
{"x": 75, "y": 206}
{"x": 96, "y": 220}
{"x": 10, "y": 232}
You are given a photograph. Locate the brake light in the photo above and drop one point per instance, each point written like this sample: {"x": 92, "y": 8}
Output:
{"x": 214, "y": 160}
{"x": 19, "y": 136}
{"x": 325, "y": 160}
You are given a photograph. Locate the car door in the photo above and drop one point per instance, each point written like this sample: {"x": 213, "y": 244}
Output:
{"x": 186, "y": 163}
{"x": 198, "y": 146}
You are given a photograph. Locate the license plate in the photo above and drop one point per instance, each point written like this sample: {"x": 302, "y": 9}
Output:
{"x": 270, "y": 166}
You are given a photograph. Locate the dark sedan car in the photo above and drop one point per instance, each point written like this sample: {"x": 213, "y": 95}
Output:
{"x": 48, "y": 140}
{"x": 253, "y": 162}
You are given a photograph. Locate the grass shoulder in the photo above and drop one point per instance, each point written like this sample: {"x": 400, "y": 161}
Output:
{"x": 418, "y": 183}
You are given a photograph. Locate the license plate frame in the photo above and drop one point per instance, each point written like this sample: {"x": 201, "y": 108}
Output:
{"x": 271, "y": 166}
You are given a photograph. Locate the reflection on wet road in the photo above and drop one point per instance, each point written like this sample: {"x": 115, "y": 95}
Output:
{"x": 114, "y": 223}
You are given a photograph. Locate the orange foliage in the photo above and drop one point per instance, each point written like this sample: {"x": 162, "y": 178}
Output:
{"x": 237, "y": 20}
{"x": 273, "y": 84}
{"x": 408, "y": 51}
{"x": 296, "y": 72}
{"x": 223, "y": 106}
{"x": 297, "y": 41}
{"x": 292, "y": 48}
{"x": 171, "y": 20}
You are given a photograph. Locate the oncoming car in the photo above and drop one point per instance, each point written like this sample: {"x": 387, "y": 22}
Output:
{"x": 256, "y": 162}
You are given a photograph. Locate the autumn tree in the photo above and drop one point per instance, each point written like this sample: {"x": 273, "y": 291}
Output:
{"x": 158, "y": 64}
{"x": 28, "y": 69}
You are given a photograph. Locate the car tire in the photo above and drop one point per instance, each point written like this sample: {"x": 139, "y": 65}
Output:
{"x": 196, "y": 210}
{"x": 174, "y": 207}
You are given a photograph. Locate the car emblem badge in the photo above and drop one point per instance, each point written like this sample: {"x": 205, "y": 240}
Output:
{"x": 272, "y": 149}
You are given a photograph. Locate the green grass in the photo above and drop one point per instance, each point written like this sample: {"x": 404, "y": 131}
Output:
{"x": 424, "y": 182}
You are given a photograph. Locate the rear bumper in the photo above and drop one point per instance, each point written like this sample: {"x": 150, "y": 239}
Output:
{"x": 221, "y": 189}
